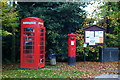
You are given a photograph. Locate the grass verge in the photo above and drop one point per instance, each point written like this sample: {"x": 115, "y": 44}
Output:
{"x": 43, "y": 73}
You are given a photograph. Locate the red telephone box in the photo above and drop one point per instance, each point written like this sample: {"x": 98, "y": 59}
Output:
{"x": 71, "y": 49}
{"x": 32, "y": 45}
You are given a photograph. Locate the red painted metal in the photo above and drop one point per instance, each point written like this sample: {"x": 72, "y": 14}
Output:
{"x": 32, "y": 44}
{"x": 71, "y": 45}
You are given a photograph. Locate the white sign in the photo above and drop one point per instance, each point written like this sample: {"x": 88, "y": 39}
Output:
{"x": 29, "y": 22}
{"x": 89, "y": 33}
{"x": 85, "y": 45}
{"x": 100, "y": 33}
{"x": 92, "y": 41}
{"x": 41, "y": 60}
{"x": 97, "y": 40}
{"x": 40, "y": 23}
{"x": 93, "y": 37}
{"x": 96, "y": 33}
{"x": 87, "y": 40}
{"x": 72, "y": 42}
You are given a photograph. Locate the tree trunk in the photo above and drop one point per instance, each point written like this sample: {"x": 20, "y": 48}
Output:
{"x": 13, "y": 56}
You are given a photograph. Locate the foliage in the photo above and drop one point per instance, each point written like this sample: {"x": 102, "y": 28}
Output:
{"x": 90, "y": 51}
{"x": 9, "y": 19}
{"x": 112, "y": 40}
{"x": 61, "y": 70}
{"x": 109, "y": 14}
{"x": 61, "y": 18}
{"x": 88, "y": 22}
{"x": 108, "y": 18}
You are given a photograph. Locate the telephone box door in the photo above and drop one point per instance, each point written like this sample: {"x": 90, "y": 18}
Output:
{"x": 27, "y": 48}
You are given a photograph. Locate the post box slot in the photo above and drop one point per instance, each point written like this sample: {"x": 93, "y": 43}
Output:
{"x": 72, "y": 38}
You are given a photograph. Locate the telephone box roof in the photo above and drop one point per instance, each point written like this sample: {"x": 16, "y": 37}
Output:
{"x": 93, "y": 28}
{"x": 33, "y": 18}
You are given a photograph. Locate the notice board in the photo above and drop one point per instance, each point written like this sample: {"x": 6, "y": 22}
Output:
{"x": 94, "y": 35}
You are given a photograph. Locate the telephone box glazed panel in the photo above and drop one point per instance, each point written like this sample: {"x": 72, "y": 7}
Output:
{"x": 32, "y": 45}
{"x": 72, "y": 45}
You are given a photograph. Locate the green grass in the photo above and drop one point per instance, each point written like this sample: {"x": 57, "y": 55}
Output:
{"x": 42, "y": 73}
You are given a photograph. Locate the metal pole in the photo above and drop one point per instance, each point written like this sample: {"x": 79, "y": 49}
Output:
{"x": 84, "y": 56}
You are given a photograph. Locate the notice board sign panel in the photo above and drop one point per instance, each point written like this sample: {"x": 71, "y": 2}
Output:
{"x": 94, "y": 35}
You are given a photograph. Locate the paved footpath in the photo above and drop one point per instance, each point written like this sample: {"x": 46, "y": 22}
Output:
{"x": 108, "y": 77}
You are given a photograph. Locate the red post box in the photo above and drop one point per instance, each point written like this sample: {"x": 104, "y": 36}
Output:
{"x": 32, "y": 44}
{"x": 71, "y": 49}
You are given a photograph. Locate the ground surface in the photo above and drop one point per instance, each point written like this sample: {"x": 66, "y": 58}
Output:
{"x": 108, "y": 76}
{"x": 62, "y": 70}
